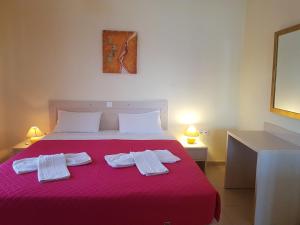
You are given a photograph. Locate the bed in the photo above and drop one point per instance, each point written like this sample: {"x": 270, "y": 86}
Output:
{"x": 97, "y": 194}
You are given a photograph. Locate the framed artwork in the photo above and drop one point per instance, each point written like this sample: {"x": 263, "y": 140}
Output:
{"x": 119, "y": 52}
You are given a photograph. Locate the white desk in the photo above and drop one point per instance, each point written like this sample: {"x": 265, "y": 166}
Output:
{"x": 242, "y": 149}
{"x": 258, "y": 159}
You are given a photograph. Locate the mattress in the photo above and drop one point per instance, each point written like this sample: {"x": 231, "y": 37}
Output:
{"x": 97, "y": 194}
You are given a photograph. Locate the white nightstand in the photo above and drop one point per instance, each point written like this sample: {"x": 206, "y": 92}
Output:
{"x": 197, "y": 151}
{"x": 21, "y": 146}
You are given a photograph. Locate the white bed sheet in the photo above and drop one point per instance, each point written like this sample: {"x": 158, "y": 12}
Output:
{"x": 108, "y": 135}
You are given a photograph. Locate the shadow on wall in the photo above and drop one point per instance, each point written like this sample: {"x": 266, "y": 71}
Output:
{"x": 216, "y": 143}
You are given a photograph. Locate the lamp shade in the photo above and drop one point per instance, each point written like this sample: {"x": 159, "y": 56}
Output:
{"x": 191, "y": 131}
{"x": 34, "y": 132}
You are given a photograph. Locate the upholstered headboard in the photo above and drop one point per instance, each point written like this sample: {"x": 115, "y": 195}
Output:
{"x": 109, "y": 109}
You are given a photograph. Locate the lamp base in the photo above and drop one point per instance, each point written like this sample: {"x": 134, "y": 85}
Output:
{"x": 191, "y": 140}
{"x": 35, "y": 139}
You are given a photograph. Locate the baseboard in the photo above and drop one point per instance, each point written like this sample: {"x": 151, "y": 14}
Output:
{"x": 215, "y": 163}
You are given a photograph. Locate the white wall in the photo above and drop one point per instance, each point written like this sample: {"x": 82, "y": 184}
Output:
{"x": 263, "y": 19}
{"x": 188, "y": 53}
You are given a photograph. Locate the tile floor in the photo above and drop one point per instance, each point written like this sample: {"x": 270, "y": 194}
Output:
{"x": 237, "y": 204}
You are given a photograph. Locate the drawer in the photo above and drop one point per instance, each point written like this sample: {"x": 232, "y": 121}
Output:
{"x": 198, "y": 154}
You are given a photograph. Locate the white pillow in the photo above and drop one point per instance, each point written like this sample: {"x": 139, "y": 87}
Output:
{"x": 78, "y": 121}
{"x": 145, "y": 123}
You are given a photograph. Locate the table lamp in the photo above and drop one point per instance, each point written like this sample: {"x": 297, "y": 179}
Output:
{"x": 191, "y": 133}
{"x": 34, "y": 134}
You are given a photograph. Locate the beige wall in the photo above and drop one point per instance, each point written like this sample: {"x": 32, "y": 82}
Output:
{"x": 2, "y": 107}
{"x": 188, "y": 53}
{"x": 3, "y": 127}
{"x": 263, "y": 19}
{"x": 2, "y": 113}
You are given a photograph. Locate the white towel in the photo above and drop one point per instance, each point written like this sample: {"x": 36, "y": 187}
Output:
{"x": 119, "y": 160}
{"x": 52, "y": 167}
{"x": 77, "y": 159}
{"x": 165, "y": 156}
{"x": 28, "y": 165}
{"x": 125, "y": 160}
{"x": 25, "y": 165}
{"x": 148, "y": 163}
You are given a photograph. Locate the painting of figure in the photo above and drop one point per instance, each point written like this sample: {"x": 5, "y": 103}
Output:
{"x": 119, "y": 52}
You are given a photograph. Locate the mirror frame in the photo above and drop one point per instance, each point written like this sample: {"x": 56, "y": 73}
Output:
{"x": 282, "y": 112}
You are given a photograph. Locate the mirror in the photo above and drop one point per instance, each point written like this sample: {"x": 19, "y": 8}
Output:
{"x": 285, "y": 96}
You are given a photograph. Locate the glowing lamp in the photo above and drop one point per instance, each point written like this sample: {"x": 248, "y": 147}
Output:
{"x": 191, "y": 134}
{"x": 34, "y": 134}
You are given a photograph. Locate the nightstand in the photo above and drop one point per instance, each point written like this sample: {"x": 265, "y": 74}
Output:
{"x": 197, "y": 151}
{"x": 5, "y": 154}
{"x": 21, "y": 146}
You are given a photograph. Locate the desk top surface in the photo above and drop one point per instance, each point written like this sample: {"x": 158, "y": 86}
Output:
{"x": 261, "y": 140}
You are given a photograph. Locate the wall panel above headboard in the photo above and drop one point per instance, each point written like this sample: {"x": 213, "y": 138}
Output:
{"x": 109, "y": 119}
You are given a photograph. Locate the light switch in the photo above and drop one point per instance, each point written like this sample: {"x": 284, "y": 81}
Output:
{"x": 108, "y": 104}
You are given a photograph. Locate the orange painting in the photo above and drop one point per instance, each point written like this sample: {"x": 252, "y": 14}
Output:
{"x": 119, "y": 52}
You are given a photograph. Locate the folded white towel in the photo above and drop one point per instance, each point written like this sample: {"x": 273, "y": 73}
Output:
{"x": 25, "y": 165}
{"x": 119, "y": 160}
{"x": 125, "y": 160}
{"x": 148, "y": 163}
{"x": 77, "y": 159}
{"x": 28, "y": 165}
{"x": 52, "y": 167}
{"x": 165, "y": 156}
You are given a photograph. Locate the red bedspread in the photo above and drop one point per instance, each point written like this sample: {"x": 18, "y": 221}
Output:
{"x": 97, "y": 194}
